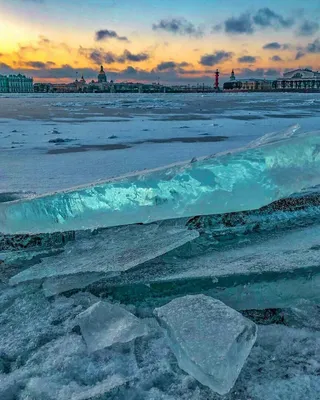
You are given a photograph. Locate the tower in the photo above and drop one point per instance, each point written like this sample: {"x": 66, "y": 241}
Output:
{"x": 216, "y": 85}
{"x": 102, "y": 78}
{"x": 232, "y": 77}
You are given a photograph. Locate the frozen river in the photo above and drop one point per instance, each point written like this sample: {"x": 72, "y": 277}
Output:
{"x": 50, "y": 142}
{"x": 196, "y": 281}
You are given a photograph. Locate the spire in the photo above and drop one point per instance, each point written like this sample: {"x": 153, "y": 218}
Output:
{"x": 232, "y": 77}
{"x": 101, "y": 69}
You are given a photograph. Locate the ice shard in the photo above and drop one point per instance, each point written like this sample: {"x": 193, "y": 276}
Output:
{"x": 110, "y": 251}
{"x": 104, "y": 324}
{"x": 245, "y": 179}
{"x": 269, "y": 270}
{"x": 258, "y": 254}
{"x": 210, "y": 340}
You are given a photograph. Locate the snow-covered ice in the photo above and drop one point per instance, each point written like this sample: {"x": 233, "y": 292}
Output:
{"x": 104, "y": 324}
{"x": 263, "y": 262}
{"x": 210, "y": 340}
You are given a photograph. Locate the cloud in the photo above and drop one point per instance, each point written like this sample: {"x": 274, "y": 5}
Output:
{"x": 314, "y": 47}
{"x": 308, "y": 28}
{"x": 311, "y": 48}
{"x": 106, "y": 34}
{"x": 167, "y": 65}
{"x": 242, "y": 24}
{"x": 257, "y": 73}
{"x": 268, "y": 18}
{"x": 247, "y": 23}
{"x": 130, "y": 70}
{"x": 35, "y": 64}
{"x": 128, "y": 56}
{"x": 4, "y": 66}
{"x": 217, "y": 28}
{"x": 43, "y": 44}
{"x": 272, "y": 46}
{"x": 271, "y": 72}
{"x": 99, "y": 56}
{"x": 178, "y": 26}
{"x": 217, "y": 57}
{"x": 276, "y": 58}
{"x": 300, "y": 54}
{"x": 247, "y": 59}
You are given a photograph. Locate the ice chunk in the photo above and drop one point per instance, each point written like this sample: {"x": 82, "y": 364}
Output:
{"x": 210, "y": 340}
{"x": 110, "y": 251}
{"x": 277, "y": 252}
{"x": 213, "y": 185}
{"x": 104, "y": 324}
{"x": 54, "y": 286}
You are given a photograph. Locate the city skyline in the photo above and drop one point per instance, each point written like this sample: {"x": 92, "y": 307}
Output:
{"x": 182, "y": 42}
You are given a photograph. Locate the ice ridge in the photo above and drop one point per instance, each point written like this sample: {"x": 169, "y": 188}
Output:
{"x": 244, "y": 179}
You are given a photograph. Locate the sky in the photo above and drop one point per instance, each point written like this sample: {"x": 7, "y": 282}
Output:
{"x": 170, "y": 41}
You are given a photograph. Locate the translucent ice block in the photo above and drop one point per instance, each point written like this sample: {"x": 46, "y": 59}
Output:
{"x": 104, "y": 324}
{"x": 245, "y": 179}
{"x": 210, "y": 340}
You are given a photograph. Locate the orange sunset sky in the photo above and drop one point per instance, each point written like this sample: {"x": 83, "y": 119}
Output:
{"x": 146, "y": 40}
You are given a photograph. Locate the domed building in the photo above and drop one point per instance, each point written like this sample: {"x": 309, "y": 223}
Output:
{"x": 102, "y": 77}
{"x": 249, "y": 84}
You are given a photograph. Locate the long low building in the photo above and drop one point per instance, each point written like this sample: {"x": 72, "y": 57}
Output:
{"x": 299, "y": 79}
{"x": 15, "y": 84}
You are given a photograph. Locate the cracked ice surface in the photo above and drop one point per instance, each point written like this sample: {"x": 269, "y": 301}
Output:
{"x": 42, "y": 358}
{"x": 272, "y": 168}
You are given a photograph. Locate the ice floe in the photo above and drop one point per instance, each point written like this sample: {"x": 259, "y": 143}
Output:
{"x": 210, "y": 340}
{"x": 104, "y": 324}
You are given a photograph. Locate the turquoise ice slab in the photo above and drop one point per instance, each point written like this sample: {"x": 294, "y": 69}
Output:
{"x": 109, "y": 252}
{"x": 272, "y": 168}
{"x": 269, "y": 271}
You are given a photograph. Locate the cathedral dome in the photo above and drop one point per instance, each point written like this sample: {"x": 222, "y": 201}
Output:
{"x": 102, "y": 75}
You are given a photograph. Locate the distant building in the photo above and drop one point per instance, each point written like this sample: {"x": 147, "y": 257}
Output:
{"x": 248, "y": 84}
{"x": 301, "y": 74}
{"x": 102, "y": 77}
{"x": 15, "y": 84}
{"x": 298, "y": 79}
